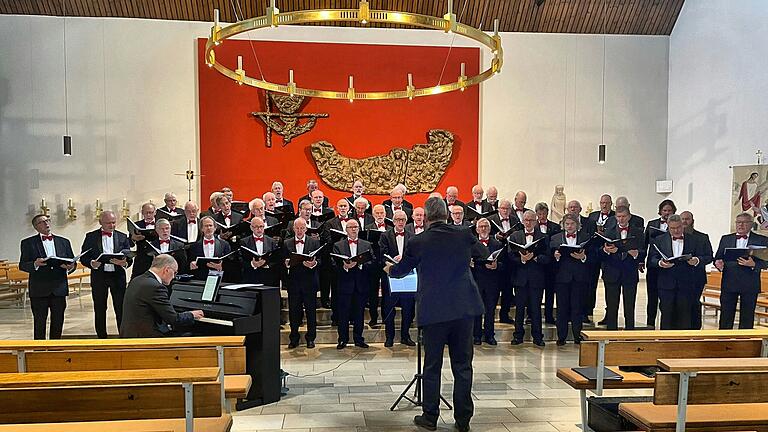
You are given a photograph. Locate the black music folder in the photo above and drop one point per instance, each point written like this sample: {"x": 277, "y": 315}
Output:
{"x": 474, "y": 214}
{"x": 673, "y": 259}
{"x": 590, "y": 373}
{"x": 623, "y": 245}
{"x": 512, "y": 228}
{"x": 148, "y": 233}
{"x": 238, "y": 230}
{"x": 298, "y": 258}
{"x": 170, "y": 217}
{"x": 358, "y": 259}
{"x": 493, "y": 257}
{"x": 267, "y": 256}
{"x": 202, "y": 261}
{"x": 528, "y": 247}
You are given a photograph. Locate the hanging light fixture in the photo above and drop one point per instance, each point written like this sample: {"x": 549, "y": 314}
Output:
{"x": 601, "y": 145}
{"x": 67, "y": 137}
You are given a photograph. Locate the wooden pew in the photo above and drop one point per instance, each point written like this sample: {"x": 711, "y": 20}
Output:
{"x": 106, "y": 396}
{"x": 125, "y": 354}
{"x": 601, "y": 349}
{"x": 710, "y": 298}
{"x": 684, "y": 396}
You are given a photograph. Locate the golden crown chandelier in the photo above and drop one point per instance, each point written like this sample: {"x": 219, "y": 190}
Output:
{"x": 363, "y": 15}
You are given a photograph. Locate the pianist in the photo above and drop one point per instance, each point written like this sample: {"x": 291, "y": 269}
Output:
{"x": 147, "y": 310}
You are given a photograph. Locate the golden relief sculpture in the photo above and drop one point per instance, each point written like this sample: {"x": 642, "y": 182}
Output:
{"x": 287, "y": 121}
{"x": 419, "y": 169}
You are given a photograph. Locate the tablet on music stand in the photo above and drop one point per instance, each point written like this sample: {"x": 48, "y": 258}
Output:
{"x": 407, "y": 284}
{"x": 211, "y": 288}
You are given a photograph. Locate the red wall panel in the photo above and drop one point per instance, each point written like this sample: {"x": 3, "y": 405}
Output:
{"x": 232, "y": 143}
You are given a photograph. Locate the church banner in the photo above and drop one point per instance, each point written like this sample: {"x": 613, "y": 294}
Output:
{"x": 749, "y": 193}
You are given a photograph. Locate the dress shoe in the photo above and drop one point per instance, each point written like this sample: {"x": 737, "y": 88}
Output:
{"x": 310, "y": 344}
{"x": 408, "y": 342}
{"x": 361, "y": 344}
{"x": 516, "y": 341}
{"x": 462, "y": 427}
{"x": 528, "y": 321}
{"x": 577, "y": 341}
{"x": 423, "y": 422}
{"x": 491, "y": 341}
{"x": 372, "y": 323}
{"x": 292, "y": 345}
{"x": 506, "y": 320}
{"x": 341, "y": 345}
{"x": 477, "y": 341}
{"x": 388, "y": 343}
{"x": 560, "y": 342}
{"x": 602, "y": 322}
{"x": 539, "y": 343}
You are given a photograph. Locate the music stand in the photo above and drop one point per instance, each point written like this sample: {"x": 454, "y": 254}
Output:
{"x": 417, "y": 377}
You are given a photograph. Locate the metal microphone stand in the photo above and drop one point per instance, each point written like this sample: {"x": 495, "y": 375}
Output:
{"x": 417, "y": 381}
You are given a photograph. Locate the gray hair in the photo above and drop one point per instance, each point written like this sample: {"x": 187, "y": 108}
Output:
{"x": 435, "y": 209}
{"x": 572, "y": 217}
{"x": 529, "y": 212}
{"x": 541, "y": 206}
{"x": 745, "y": 214}
{"x": 164, "y": 260}
{"x": 203, "y": 219}
{"x": 674, "y": 218}
{"x": 162, "y": 222}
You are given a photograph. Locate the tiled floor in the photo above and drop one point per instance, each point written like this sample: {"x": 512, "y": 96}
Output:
{"x": 515, "y": 388}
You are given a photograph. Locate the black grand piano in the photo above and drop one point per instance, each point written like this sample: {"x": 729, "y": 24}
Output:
{"x": 252, "y": 311}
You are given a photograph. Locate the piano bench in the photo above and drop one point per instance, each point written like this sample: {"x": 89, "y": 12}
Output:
{"x": 236, "y": 386}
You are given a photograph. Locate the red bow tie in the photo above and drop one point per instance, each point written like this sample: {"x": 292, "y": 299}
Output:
{"x": 519, "y": 210}
{"x": 398, "y": 208}
{"x": 741, "y": 237}
{"x": 505, "y": 220}
{"x": 485, "y": 242}
{"x": 529, "y": 234}
{"x": 47, "y": 238}
{"x": 543, "y": 223}
{"x": 401, "y": 234}
{"x": 106, "y": 233}
{"x": 193, "y": 221}
{"x": 418, "y": 226}
{"x": 227, "y": 215}
{"x": 605, "y": 214}
{"x": 380, "y": 225}
{"x": 570, "y": 236}
{"x": 677, "y": 238}
{"x": 626, "y": 228}
{"x": 478, "y": 203}
{"x": 207, "y": 242}
{"x": 343, "y": 219}
{"x": 168, "y": 242}
{"x": 299, "y": 241}
{"x": 258, "y": 239}
{"x": 352, "y": 242}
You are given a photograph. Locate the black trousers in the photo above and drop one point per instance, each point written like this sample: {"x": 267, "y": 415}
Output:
{"x": 407, "y": 302}
{"x": 379, "y": 281}
{"x": 675, "y": 310}
{"x": 327, "y": 276}
{"x": 102, "y": 283}
{"x": 652, "y": 289}
{"x": 457, "y": 334}
{"x": 696, "y": 309}
{"x": 350, "y": 307}
{"x": 569, "y": 296}
{"x": 628, "y": 293}
{"x": 590, "y": 293}
{"x": 528, "y": 298}
{"x": 302, "y": 300}
{"x": 507, "y": 300}
{"x": 549, "y": 297}
{"x": 40, "y": 307}
{"x": 484, "y": 324}
{"x": 728, "y": 309}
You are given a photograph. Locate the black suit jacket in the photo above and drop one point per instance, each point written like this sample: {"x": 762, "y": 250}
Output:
{"x": 390, "y": 211}
{"x": 48, "y": 279}
{"x": 568, "y": 268}
{"x": 367, "y": 220}
{"x": 147, "y": 309}
{"x": 594, "y": 218}
{"x": 388, "y": 243}
{"x": 267, "y": 276}
{"x": 650, "y": 235}
{"x": 682, "y": 277}
{"x": 513, "y": 215}
{"x": 356, "y": 279}
{"x": 300, "y": 278}
{"x": 446, "y": 291}
{"x": 701, "y": 280}
{"x": 484, "y": 208}
{"x": 552, "y": 228}
{"x": 494, "y": 206}
{"x": 411, "y": 228}
{"x": 587, "y": 225}
{"x": 220, "y": 248}
{"x": 621, "y": 267}
{"x": 485, "y": 278}
{"x": 93, "y": 242}
{"x": 458, "y": 203}
{"x": 533, "y": 273}
{"x": 634, "y": 220}
{"x": 287, "y": 204}
{"x": 234, "y": 218}
{"x": 144, "y": 256}
{"x": 179, "y": 229}
{"x": 738, "y": 278}
{"x": 351, "y": 200}
{"x": 289, "y": 229}
{"x": 306, "y": 197}
{"x": 406, "y": 203}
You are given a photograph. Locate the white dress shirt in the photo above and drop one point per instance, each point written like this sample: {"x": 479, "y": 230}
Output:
{"x": 50, "y": 248}
{"x": 208, "y": 249}
{"x": 742, "y": 242}
{"x": 543, "y": 227}
{"x": 400, "y": 240}
{"x": 570, "y": 241}
{"x": 108, "y": 246}
{"x": 418, "y": 230}
{"x": 164, "y": 247}
{"x": 300, "y": 246}
{"x": 505, "y": 224}
{"x": 528, "y": 237}
{"x": 623, "y": 232}
{"x": 191, "y": 231}
{"x": 352, "y": 249}
{"x": 677, "y": 247}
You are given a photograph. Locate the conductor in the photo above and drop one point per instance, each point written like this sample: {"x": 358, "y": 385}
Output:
{"x": 447, "y": 303}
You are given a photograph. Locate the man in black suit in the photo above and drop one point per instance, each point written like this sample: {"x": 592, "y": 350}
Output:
{"x": 257, "y": 207}
{"x": 741, "y": 278}
{"x": 620, "y": 270}
{"x": 549, "y": 228}
{"x": 357, "y": 192}
{"x": 492, "y": 197}
{"x": 448, "y": 302}
{"x": 655, "y": 228}
{"x": 457, "y": 216}
{"x": 677, "y": 280}
{"x": 226, "y": 216}
{"x": 320, "y": 204}
{"x": 529, "y": 278}
{"x": 401, "y": 187}
{"x": 488, "y": 277}
{"x": 502, "y": 224}
{"x": 232, "y": 271}
{"x": 208, "y": 246}
{"x": 571, "y": 277}
{"x": 48, "y": 287}
{"x": 379, "y": 281}
{"x": 170, "y": 204}
{"x": 396, "y": 203}
{"x": 589, "y": 291}
{"x": 143, "y": 259}
{"x": 320, "y": 213}
{"x": 147, "y": 309}
{"x": 214, "y": 209}
{"x": 393, "y": 243}
{"x": 452, "y": 197}
{"x": 332, "y": 230}
{"x": 302, "y": 282}
{"x": 519, "y": 205}
{"x": 417, "y": 226}
{"x": 477, "y": 204}
{"x": 188, "y": 227}
{"x": 259, "y": 270}
{"x": 353, "y": 282}
{"x": 701, "y": 281}
{"x": 280, "y": 200}
{"x": 601, "y": 216}
{"x": 311, "y": 187}
{"x": 107, "y": 277}
{"x": 362, "y": 211}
